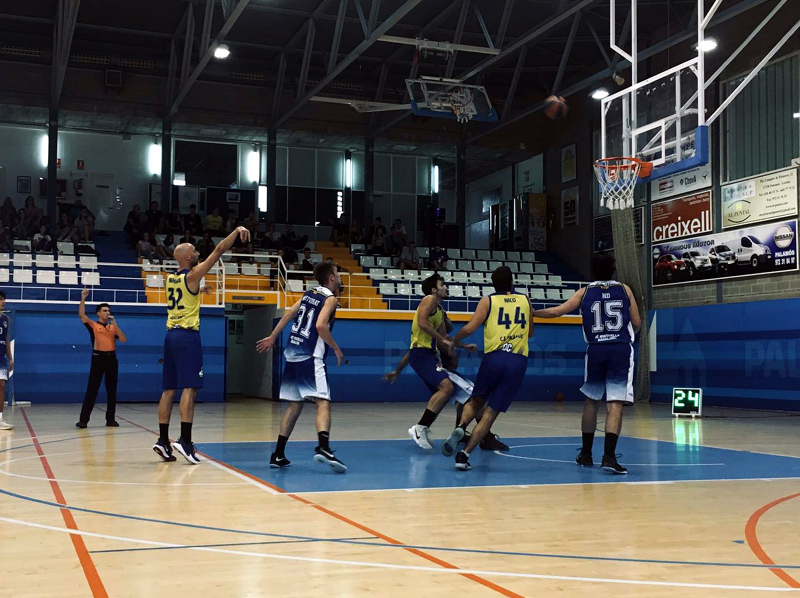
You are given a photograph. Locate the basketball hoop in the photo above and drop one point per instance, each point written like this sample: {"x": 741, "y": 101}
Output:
{"x": 461, "y": 104}
{"x": 617, "y": 178}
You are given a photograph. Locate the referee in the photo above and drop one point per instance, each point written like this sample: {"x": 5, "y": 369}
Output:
{"x": 104, "y": 334}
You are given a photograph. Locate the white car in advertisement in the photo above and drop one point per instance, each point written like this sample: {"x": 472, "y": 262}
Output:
{"x": 752, "y": 251}
{"x": 696, "y": 262}
{"x": 722, "y": 257}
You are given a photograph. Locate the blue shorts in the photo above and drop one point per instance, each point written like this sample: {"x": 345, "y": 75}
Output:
{"x": 499, "y": 378}
{"x": 426, "y": 363}
{"x": 305, "y": 380}
{"x": 183, "y": 360}
{"x": 609, "y": 371}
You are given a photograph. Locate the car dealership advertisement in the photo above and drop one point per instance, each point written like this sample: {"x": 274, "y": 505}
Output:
{"x": 685, "y": 216}
{"x": 755, "y": 250}
{"x": 764, "y": 197}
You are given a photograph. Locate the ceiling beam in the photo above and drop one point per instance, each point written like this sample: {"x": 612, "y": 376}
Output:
{"x": 208, "y": 20}
{"x": 504, "y": 20}
{"x": 567, "y": 51}
{"x": 62, "y": 42}
{"x": 462, "y": 20}
{"x": 373, "y": 16}
{"x": 384, "y": 27}
{"x": 188, "y": 40}
{"x": 337, "y": 35}
{"x": 311, "y": 33}
{"x": 361, "y": 18}
{"x": 205, "y": 58}
{"x": 512, "y": 90}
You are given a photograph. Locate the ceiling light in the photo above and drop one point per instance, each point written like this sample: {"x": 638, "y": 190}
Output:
{"x": 599, "y": 94}
{"x": 222, "y": 51}
{"x": 707, "y": 44}
{"x": 796, "y": 115}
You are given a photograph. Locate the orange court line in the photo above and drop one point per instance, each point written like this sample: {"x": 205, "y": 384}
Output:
{"x": 428, "y": 557}
{"x": 752, "y": 540}
{"x": 89, "y": 569}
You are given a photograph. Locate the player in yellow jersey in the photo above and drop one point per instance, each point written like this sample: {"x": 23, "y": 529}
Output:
{"x": 183, "y": 353}
{"x": 506, "y": 317}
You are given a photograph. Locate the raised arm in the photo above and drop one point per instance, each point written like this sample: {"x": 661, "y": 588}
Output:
{"x": 636, "y": 319}
{"x": 568, "y": 306}
{"x": 424, "y": 323}
{"x": 200, "y": 270}
{"x": 324, "y": 330}
{"x": 265, "y": 344}
{"x": 82, "y": 306}
{"x": 478, "y": 318}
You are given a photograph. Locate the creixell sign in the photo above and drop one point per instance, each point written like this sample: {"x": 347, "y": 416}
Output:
{"x": 685, "y": 216}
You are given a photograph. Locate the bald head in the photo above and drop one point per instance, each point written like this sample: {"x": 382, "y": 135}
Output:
{"x": 186, "y": 255}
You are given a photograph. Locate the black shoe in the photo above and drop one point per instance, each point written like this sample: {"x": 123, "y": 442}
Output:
{"x": 163, "y": 449}
{"x": 462, "y": 461}
{"x": 327, "y": 457}
{"x": 81, "y": 425}
{"x": 112, "y": 424}
{"x": 584, "y": 459}
{"x": 610, "y": 464}
{"x": 466, "y": 438}
{"x": 276, "y": 462}
{"x": 492, "y": 443}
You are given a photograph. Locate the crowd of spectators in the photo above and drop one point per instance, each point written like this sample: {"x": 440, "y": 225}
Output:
{"x": 30, "y": 223}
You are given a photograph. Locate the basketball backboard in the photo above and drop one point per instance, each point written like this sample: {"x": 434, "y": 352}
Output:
{"x": 450, "y": 98}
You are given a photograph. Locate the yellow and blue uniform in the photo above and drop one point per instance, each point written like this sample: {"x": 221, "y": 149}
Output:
{"x": 183, "y": 351}
{"x": 505, "y": 359}
{"x": 423, "y": 357}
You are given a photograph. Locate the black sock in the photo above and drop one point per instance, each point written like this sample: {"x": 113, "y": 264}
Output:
{"x": 186, "y": 431}
{"x": 323, "y": 440}
{"x": 588, "y": 440}
{"x": 459, "y": 411}
{"x": 281, "y": 446}
{"x": 611, "y": 445}
{"x": 163, "y": 432}
{"x": 427, "y": 418}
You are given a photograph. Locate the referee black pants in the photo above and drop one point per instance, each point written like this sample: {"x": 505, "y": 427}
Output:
{"x": 104, "y": 363}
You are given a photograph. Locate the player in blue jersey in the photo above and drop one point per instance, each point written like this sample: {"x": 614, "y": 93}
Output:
{"x": 610, "y": 322}
{"x": 305, "y": 377}
{"x": 6, "y": 360}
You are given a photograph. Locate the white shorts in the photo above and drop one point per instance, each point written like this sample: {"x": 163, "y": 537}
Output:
{"x": 462, "y": 388}
{"x": 3, "y": 371}
{"x": 305, "y": 380}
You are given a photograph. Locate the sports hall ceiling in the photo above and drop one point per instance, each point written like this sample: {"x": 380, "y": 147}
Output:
{"x": 565, "y": 44}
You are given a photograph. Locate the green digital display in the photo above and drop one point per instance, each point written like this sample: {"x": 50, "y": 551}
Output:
{"x": 687, "y": 401}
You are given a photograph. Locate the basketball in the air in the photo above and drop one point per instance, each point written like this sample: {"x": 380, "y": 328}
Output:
{"x": 555, "y": 107}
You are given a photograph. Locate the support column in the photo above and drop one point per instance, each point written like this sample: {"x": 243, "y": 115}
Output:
{"x": 461, "y": 192}
{"x": 166, "y": 166}
{"x": 52, "y": 170}
{"x": 369, "y": 181}
{"x": 272, "y": 173}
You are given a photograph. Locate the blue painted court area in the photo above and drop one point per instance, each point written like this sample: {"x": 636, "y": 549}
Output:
{"x": 400, "y": 464}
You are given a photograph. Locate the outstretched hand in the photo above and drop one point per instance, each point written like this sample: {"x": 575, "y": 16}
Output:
{"x": 265, "y": 344}
{"x": 244, "y": 234}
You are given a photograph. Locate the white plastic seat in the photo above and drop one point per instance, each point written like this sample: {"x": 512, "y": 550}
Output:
{"x": 70, "y": 277}
{"x": 498, "y": 255}
{"x": 539, "y": 279}
{"x": 4, "y": 275}
{"x": 454, "y": 254}
{"x": 45, "y": 261}
{"x": 377, "y": 273}
{"x": 383, "y": 262}
{"x": 528, "y": 256}
{"x": 367, "y": 261}
{"x": 358, "y": 247}
{"x": 460, "y": 277}
{"x": 487, "y": 290}
{"x": 537, "y": 293}
{"x": 526, "y": 267}
{"x": 66, "y": 261}
{"x": 524, "y": 278}
{"x": 554, "y": 294}
{"x": 311, "y": 285}
{"x": 555, "y": 279}
{"x": 468, "y": 254}
{"x": 426, "y": 274}
{"x": 147, "y": 266}
{"x": 540, "y": 268}
{"x": 23, "y": 276}
{"x": 250, "y": 269}
{"x": 295, "y": 286}
{"x": 473, "y": 291}
{"x": 494, "y": 265}
{"x": 447, "y": 276}
{"x": 513, "y": 256}
{"x": 88, "y": 262}
{"x": 261, "y": 257}
{"x": 90, "y": 279}
{"x": 451, "y": 265}
{"x": 456, "y": 290}
{"x": 65, "y": 247}
{"x": 411, "y": 275}
{"x": 465, "y": 265}
{"x": 476, "y": 277}
{"x": 513, "y": 266}
{"x": 231, "y": 269}
{"x": 266, "y": 269}
{"x": 154, "y": 281}
{"x": 404, "y": 288}
{"x": 424, "y": 252}
{"x": 480, "y": 266}
{"x": 5, "y": 259}
{"x": 22, "y": 260}
{"x": 386, "y": 288}
{"x": 394, "y": 274}
{"x": 483, "y": 254}
{"x": 418, "y": 290}
{"x": 45, "y": 276}
{"x": 21, "y": 245}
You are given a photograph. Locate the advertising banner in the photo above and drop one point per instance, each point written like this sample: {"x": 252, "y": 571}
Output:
{"x": 603, "y": 233}
{"x": 682, "y": 182}
{"x": 569, "y": 207}
{"x": 765, "y": 197}
{"x": 751, "y": 251}
{"x": 537, "y": 221}
{"x": 681, "y": 217}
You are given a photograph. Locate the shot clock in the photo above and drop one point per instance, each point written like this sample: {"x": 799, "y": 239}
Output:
{"x": 687, "y": 401}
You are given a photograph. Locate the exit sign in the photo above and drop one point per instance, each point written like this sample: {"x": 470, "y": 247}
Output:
{"x": 687, "y": 401}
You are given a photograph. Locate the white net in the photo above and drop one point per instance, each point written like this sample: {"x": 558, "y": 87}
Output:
{"x": 617, "y": 178}
{"x": 462, "y": 105}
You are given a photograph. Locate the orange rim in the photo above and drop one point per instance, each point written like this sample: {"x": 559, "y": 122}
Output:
{"x": 645, "y": 167}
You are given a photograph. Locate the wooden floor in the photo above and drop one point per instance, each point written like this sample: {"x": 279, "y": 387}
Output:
{"x": 135, "y": 527}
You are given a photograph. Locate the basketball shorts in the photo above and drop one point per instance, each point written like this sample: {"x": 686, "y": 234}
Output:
{"x": 462, "y": 388}
{"x": 609, "y": 371}
{"x": 499, "y": 378}
{"x": 183, "y": 360}
{"x": 305, "y": 380}
{"x": 3, "y": 370}
{"x": 425, "y": 362}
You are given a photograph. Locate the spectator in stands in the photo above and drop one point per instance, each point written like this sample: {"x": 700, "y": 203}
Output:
{"x": 130, "y": 228}
{"x": 378, "y": 225}
{"x": 356, "y": 232}
{"x": 232, "y": 222}
{"x": 307, "y": 264}
{"x": 399, "y": 238}
{"x": 437, "y": 259}
{"x": 289, "y": 255}
{"x": 246, "y": 253}
{"x": 33, "y": 216}
{"x": 214, "y": 223}
{"x": 251, "y": 223}
{"x": 192, "y": 220}
{"x": 409, "y": 258}
{"x": 145, "y": 249}
{"x": 156, "y": 217}
{"x": 84, "y": 224}
{"x": 5, "y": 239}
{"x": 9, "y": 213}
{"x": 65, "y": 228}
{"x": 290, "y": 239}
{"x": 270, "y": 239}
{"x": 21, "y": 229}
{"x": 206, "y": 246}
{"x": 42, "y": 241}
{"x": 75, "y": 210}
{"x": 338, "y": 267}
{"x": 175, "y": 222}
{"x": 340, "y": 231}
{"x": 187, "y": 237}
{"x": 379, "y": 241}
{"x": 165, "y": 248}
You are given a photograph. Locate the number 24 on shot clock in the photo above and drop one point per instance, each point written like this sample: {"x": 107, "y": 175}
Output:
{"x": 687, "y": 401}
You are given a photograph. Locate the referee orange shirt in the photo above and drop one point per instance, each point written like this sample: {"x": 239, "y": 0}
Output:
{"x": 104, "y": 337}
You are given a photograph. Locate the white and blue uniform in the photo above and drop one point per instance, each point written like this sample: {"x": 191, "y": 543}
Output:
{"x": 607, "y": 328}
{"x": 305, "y": 375}
{"x": 4, "y": 323}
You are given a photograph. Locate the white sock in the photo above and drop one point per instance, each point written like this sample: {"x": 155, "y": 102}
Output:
{"x": 466, "y": 453}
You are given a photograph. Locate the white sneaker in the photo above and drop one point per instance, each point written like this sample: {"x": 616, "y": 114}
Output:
{"x": 420, "y": 435}
{"x": 4, "y": 425}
